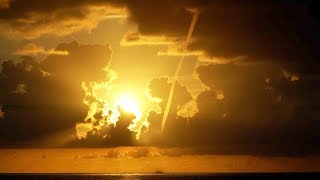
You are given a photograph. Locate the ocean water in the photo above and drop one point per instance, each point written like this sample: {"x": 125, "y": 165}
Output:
{"x": 146, "y": 161}
{"x": 155, "y": 176}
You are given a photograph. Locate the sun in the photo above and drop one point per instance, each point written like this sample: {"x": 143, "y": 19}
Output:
{"x": 129, "y": 104}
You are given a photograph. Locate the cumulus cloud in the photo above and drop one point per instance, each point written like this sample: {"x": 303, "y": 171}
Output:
{"x": 107, "y": 123}
{"x": 235, "y": 108}
{"x": 239, "y": 106}
{"x": 98, "y": 133}
{"x": 159, "y": 88}
{"x": 33, "y": 49}
{"x": 182, "y": 108}
{"x": 42, "y": 105}
{"x": 248, "y": 103}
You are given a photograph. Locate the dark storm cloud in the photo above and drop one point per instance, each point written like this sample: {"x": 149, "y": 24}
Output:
{"x": 279, "y": 31}
{"x": 240, "y": 83}
{"x": 52, "y": 98}
{"x": 261, "y": 30}
{"x": 260, "y": 104}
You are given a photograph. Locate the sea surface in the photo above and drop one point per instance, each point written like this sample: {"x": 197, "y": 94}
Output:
{"x": 149, "y": 161}
{"x": 156, "y": 176}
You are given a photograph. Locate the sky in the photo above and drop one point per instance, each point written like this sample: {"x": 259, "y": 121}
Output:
{"x": 99, "y": 73}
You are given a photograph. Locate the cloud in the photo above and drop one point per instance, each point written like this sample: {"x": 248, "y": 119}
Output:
{"x": 134, "y": 39}
{"x": 77, "y": 64}
{"x": 178, "y": 50}
{"x": 188, "y": 110}
{"x": 116, "y": 16}
{"x": 223, "y": 60}
{"x": 182, "y": 108}
{"x": 267, "y": 31}
{"x": 107, "y": 122}
{"x": 290, "y": 76}
{"x": 43, "y": 105}
{"x": 159, "y": 88}
{"x": 32, "y": 19}
{"x": 249, "y": 101}
{"x": 33, "y": 49}
{"x": 239, "y": 106}
{"x": 4, "y": 4}
{"x": 20, "y": 89}
{"x": 169, "y": 18}
{"x": 98, "y": 133}
{"x": 1, "y": 113}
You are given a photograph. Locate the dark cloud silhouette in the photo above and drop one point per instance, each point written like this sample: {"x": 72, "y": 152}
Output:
{"x": 259, "y": 105}
{"x": 276, "y": 31}
{"x": 107, "y": 136}
{"x": 52, "y": 101}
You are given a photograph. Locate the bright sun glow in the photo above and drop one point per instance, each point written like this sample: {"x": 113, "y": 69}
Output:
{"x": 129, "y": 104}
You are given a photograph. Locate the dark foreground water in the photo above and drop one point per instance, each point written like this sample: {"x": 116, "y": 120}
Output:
{"x": 164, "y": 176}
